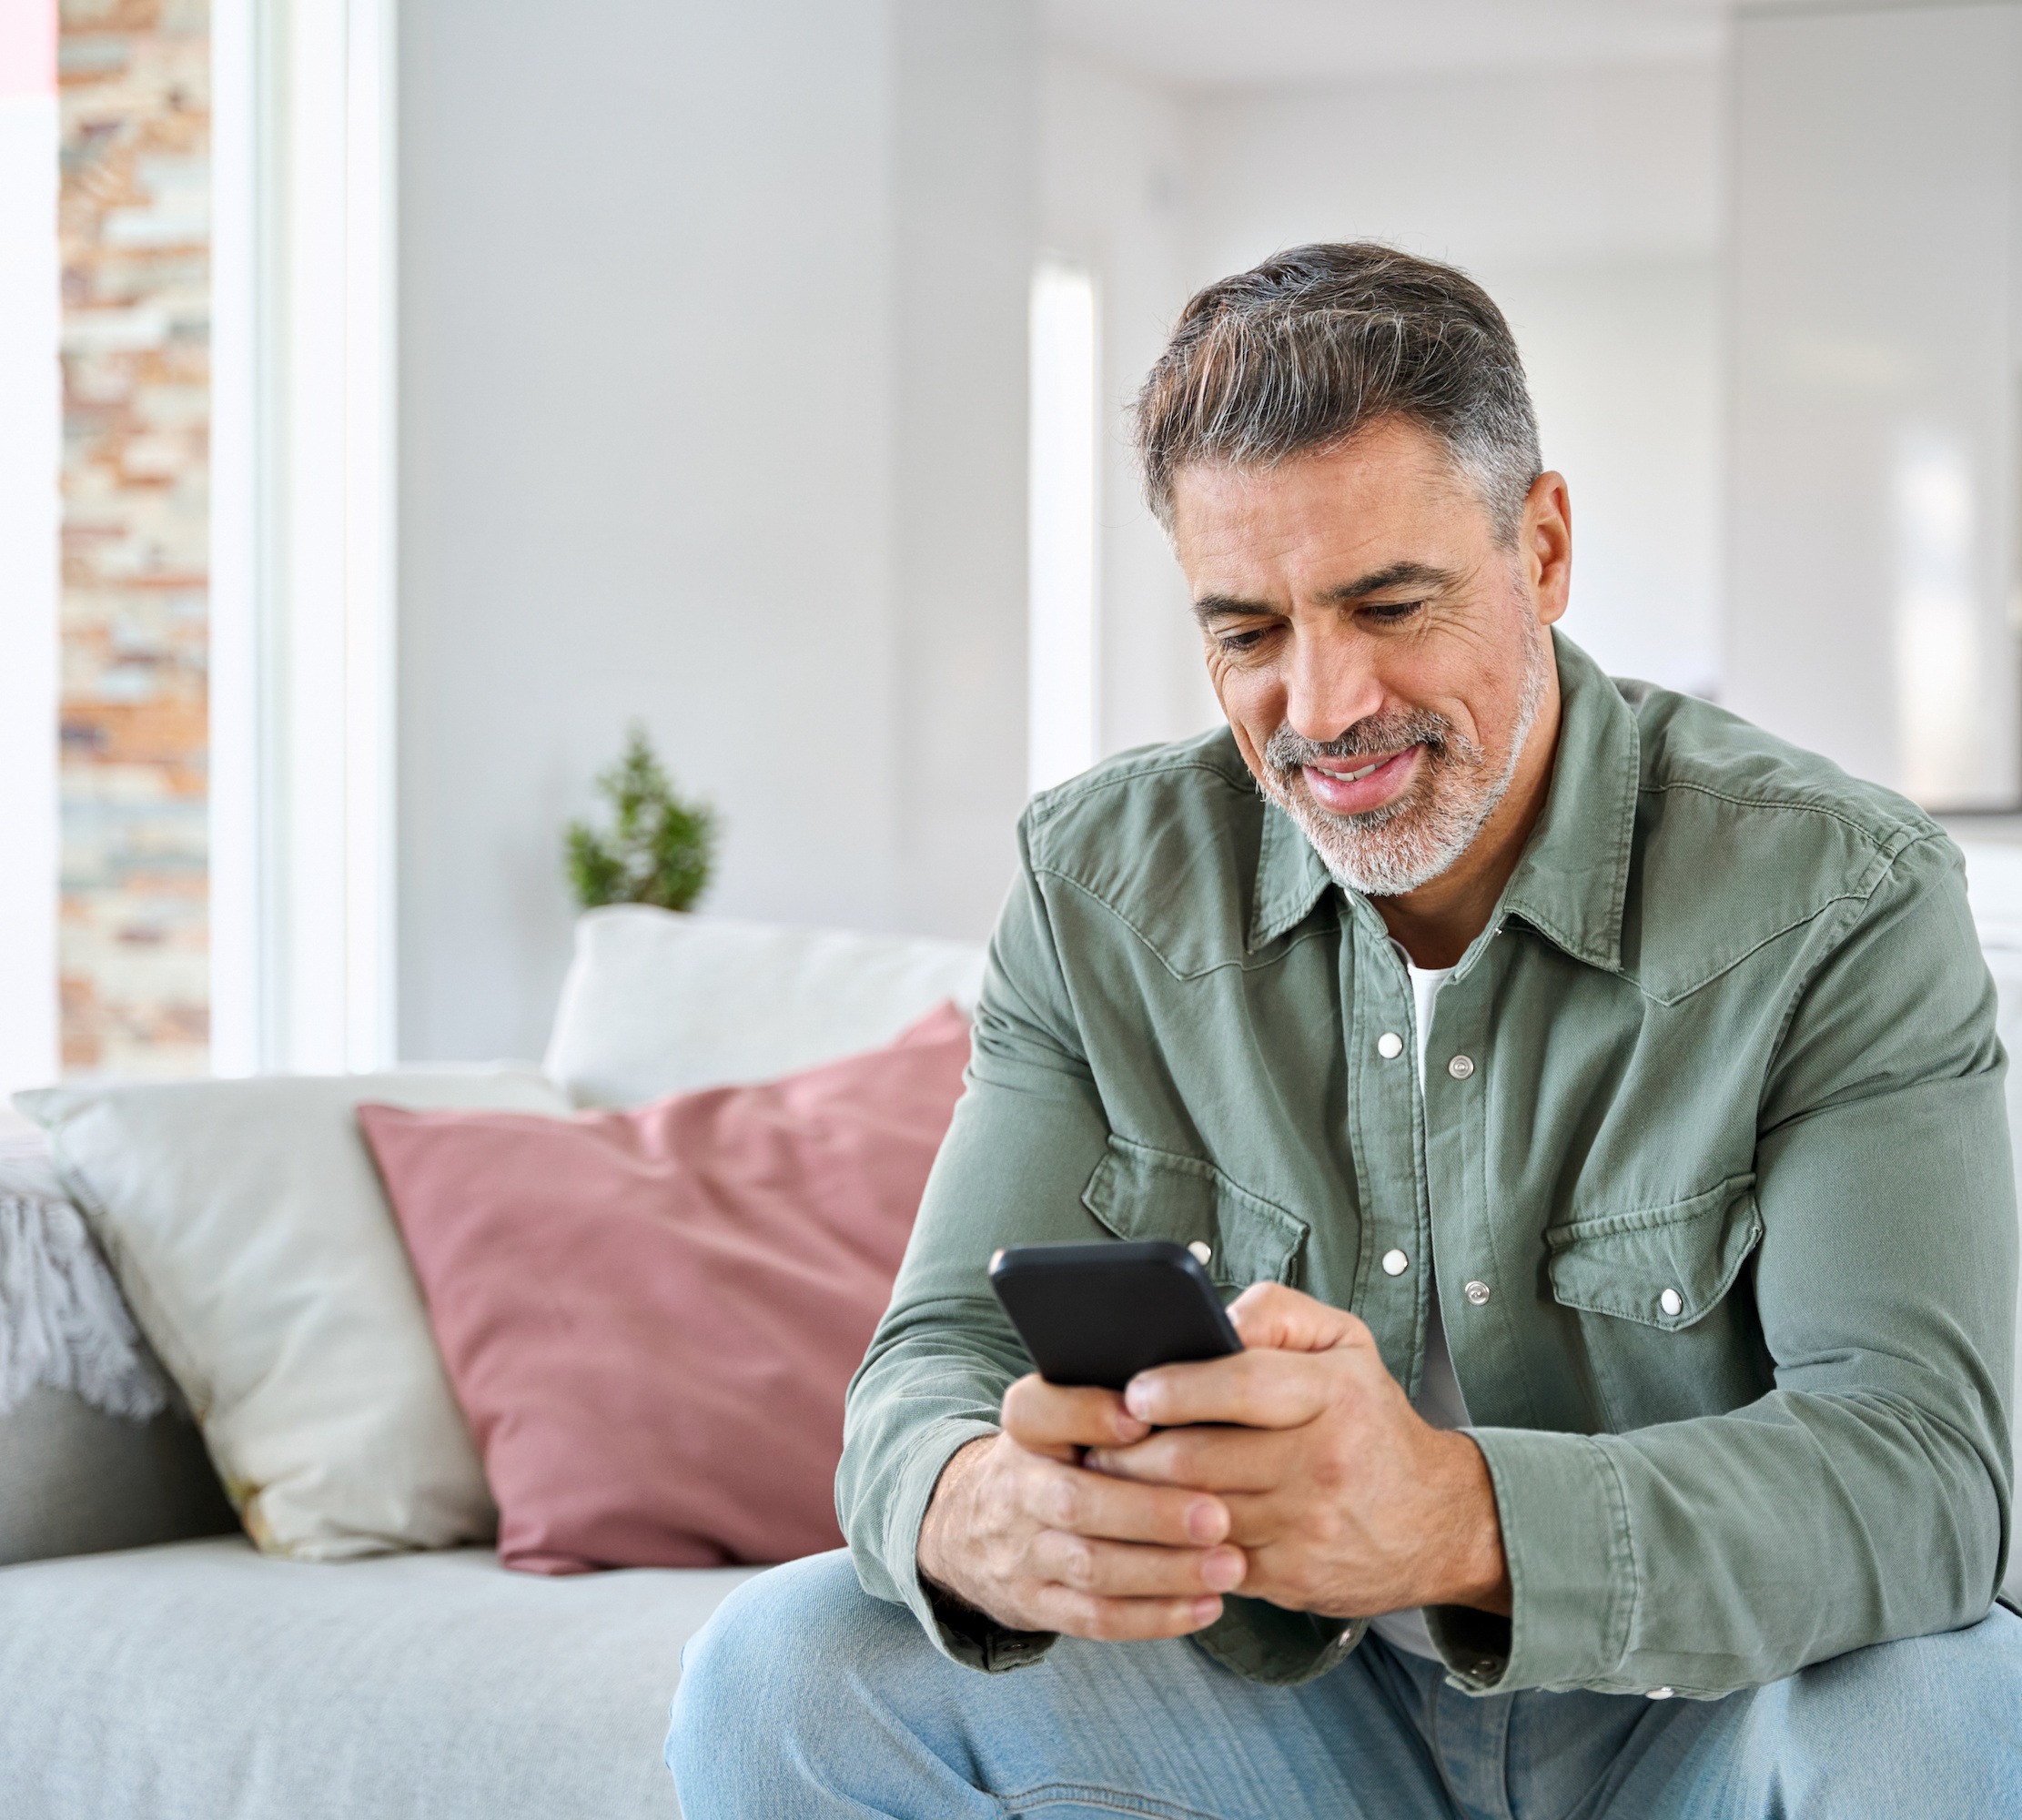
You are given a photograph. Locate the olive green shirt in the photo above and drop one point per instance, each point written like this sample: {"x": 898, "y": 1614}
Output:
{"x": 1711, "y": 1159}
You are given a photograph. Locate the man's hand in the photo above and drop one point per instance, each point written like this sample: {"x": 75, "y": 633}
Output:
{"x": 1019, "y": 1530}
{"x": 1344, "y": 1499}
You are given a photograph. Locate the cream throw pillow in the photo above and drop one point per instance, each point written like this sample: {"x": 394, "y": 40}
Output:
{"x": 250, "y": 1236}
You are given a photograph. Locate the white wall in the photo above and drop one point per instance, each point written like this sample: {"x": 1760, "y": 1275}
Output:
{"x": 1625, "y": 358}
{"x": 1113, "y": 198}
{"x": 1876, "y": 348}
{"x": 960, "y": 270}
{"x": 1589, "y": 202}
{"x": 713, "y": 359}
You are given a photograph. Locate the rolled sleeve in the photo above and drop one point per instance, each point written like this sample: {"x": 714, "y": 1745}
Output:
{"x": 892, "y": 1571}
{"x": 1567, "y": 1541}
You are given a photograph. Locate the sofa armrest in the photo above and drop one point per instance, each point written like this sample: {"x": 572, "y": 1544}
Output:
{"x": 75, "y": 1480}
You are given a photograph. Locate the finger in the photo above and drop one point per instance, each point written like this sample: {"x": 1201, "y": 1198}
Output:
{"x": 1258, "y": 1388}
{"x": 1258, "y": 1523}
{"x": 1086, "y": 1503}
{"x": 1127, "y": 1570}
{"x": 1117, "y": 1620}
{"x": 1042, "y": 1415}
{"x": 1270, "y": 1315}
{"x": 1203, "y": 1459}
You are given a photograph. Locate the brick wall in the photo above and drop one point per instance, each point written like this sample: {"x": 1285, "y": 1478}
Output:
{"x": 135, "y": 122}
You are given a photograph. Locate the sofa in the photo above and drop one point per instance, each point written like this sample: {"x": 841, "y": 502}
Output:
{"x": 154, "y": 1664}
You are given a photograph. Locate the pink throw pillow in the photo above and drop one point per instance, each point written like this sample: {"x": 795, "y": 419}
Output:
{"x": 649, "y": 1317}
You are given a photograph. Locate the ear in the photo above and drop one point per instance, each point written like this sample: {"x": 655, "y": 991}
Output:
{"x": 1545, "y": 546}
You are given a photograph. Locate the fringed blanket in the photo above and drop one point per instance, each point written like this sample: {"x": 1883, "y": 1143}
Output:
{"x": 62, "y": 1321}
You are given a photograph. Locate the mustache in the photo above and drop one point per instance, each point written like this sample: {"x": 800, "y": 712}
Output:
{"x": 1285, "y": 752}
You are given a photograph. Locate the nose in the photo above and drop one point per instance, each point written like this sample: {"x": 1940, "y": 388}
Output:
{"x": 1330, "y": 684}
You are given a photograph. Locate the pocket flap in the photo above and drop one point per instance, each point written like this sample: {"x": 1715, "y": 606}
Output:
{"x": 1664, "y": 1266}
{"x": 1142, "y": 1193}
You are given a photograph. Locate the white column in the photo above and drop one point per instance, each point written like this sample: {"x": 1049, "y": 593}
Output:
{"x": 1874, "y": 421}
{"x": 302, "y": 536}
{"x": 31, "y": 433}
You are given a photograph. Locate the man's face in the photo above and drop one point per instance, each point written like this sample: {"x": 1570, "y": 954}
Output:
{"x": 1380, "y": 653}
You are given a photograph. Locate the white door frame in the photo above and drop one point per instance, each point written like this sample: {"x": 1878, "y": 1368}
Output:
{"x": 31, "y": 454}
{"x": 303, "y": 362}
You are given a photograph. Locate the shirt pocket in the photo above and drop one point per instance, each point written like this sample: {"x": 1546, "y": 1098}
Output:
{"x": 1665, "y": 1267}
{"x": 1138, "y": 1192}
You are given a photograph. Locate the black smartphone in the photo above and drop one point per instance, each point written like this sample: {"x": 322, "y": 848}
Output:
{"x": 1100, "y": 1314}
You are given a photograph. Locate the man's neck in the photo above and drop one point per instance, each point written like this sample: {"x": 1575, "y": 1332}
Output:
{"x": 1435, "y": 923}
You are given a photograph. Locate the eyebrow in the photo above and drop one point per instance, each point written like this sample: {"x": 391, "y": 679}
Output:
{"x": 1396, "y": 575}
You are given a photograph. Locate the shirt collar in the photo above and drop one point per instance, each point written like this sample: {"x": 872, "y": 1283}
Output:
{"x": 1571, "y": 882}
{"x": 1290, "y": 878}
{"x": 1572, "y": 878}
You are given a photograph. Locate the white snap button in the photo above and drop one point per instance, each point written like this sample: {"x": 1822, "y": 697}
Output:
{"x": 1672, "y": 1303}
{"x": 1461, "y": 1067}
{"x": 1476, "y": 1292}
{"x": 1395, "y": 1263}
{"x": 1662, "y": 1692}
{"x": 1389, "y": 1046}
{"x": 1203, "y": 1252}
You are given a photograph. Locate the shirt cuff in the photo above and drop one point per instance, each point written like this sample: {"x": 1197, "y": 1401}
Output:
{"x": 1573, "y": 1580}
{"x": 959, "y": 1632}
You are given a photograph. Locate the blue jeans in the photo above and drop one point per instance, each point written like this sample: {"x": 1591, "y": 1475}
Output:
{"x": 805, "y": 1697}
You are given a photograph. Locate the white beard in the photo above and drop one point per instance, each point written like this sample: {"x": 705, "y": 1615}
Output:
{"x": 1411, "y": 842}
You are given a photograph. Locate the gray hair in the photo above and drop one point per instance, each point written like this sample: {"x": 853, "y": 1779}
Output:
{"x": 1298, "y": 354}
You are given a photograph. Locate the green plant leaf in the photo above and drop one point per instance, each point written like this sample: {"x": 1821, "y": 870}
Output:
{"x": 659, "y": 848}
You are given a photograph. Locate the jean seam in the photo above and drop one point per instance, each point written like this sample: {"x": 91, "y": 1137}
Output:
{"x": 1092, "y": 1794}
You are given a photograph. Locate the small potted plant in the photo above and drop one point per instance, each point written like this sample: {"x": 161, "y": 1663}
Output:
{"x": 658, "y": 850}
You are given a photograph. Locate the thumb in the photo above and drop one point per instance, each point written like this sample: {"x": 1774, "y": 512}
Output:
{"x": 1270, "y": 1315}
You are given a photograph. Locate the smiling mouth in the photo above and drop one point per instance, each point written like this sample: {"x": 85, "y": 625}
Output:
{"x": 1373, "y": 784}
{"x": 1368, "y": 770}
{"x": 1355, "y": 777}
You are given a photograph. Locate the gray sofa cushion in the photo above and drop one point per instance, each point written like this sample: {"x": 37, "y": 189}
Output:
{"x": 202, "y": 1681}
{"x": 76, "y": 1480}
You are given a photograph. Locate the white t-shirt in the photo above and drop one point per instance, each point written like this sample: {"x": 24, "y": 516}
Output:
{"x": 1439, "y": 1398}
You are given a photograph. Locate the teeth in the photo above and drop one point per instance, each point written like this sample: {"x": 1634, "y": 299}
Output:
{"x": 1354, "y": 776}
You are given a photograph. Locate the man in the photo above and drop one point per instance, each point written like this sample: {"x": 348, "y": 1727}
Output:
{"x": 1595, "y": 1102}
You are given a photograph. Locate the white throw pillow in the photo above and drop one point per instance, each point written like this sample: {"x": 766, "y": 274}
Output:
{"x": 250, "y": 1236}
{"x": 658, "y": 1003}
